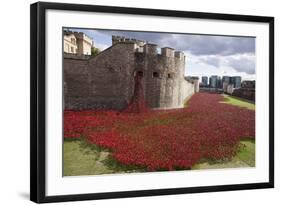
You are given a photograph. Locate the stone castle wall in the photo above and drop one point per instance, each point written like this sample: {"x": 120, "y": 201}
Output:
{"x": 107, "y": 80}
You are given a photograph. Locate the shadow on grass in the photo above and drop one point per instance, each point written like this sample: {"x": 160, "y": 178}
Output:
{"x": 71, "y": 139}
{"x": 113, "y": 164}
{"x": 242, "y": 99}
{"x": 109, "y": 162}
{"x": 247, "y": 139}
{"x": 86, "y": 145}
{"x": 214, "y": 161}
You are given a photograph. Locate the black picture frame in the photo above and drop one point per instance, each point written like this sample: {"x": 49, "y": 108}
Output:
{"x": 38, "y": 101}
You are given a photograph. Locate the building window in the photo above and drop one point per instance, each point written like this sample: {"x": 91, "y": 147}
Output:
{"x": 155, "y": 75}
{"x": 169, "y": 75}
{"x": 140, "y": 73}
{"x": 72, "y": 50}
{"x": 73, "y": 41}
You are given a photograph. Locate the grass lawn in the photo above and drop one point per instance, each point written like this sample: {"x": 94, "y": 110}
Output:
{"x": 238, "y": 102}
{"x": 81, "y": 158}
{"x": 247, "y": 152}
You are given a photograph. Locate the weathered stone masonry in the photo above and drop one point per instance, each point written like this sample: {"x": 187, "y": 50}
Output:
{"x": 107, "y": 80}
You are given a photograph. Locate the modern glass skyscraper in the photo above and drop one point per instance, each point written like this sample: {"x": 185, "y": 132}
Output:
{"x": 213, "y": 81}
{"x": 236, "y": 81}
{"x": 205, "y": 80}
{"x": 219, "y": 83}
{"x": 226, "y": 79}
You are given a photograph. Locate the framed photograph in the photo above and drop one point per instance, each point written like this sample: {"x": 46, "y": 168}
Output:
{"x": 129, "y": 102}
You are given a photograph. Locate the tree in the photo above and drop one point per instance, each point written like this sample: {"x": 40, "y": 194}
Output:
{"x": 95, "y": 51}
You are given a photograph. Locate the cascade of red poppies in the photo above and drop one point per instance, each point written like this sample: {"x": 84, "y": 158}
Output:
{"x": 137, "y": 104}
{"x": 206, "y": 129}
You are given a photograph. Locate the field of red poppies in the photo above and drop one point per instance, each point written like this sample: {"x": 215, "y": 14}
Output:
{"x": 205, "y": 129}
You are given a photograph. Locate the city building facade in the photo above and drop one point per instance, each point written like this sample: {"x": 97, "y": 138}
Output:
{"x": 77, "y": 43}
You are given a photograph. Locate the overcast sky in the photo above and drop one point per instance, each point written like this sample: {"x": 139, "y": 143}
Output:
{"x": 205, "y": 54}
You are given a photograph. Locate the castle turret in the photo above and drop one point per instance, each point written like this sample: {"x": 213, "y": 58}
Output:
{"x": 150, "y": 49}
{"x": 168, "y": 52}
{"x": 121, "y": 39}
{"x": 180, "y": 55}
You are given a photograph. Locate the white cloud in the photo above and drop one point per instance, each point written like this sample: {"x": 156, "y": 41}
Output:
{"x": 238, "y": 64}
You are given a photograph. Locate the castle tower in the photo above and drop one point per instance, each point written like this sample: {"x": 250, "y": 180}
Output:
{"x": 168, "y": 52}
{"x": 163, "y": 75}
{"x": 150, "y": 49}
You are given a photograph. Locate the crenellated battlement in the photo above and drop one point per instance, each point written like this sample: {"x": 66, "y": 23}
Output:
{"x": 122, "y": 39}
{"x": 149, "y": 48}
